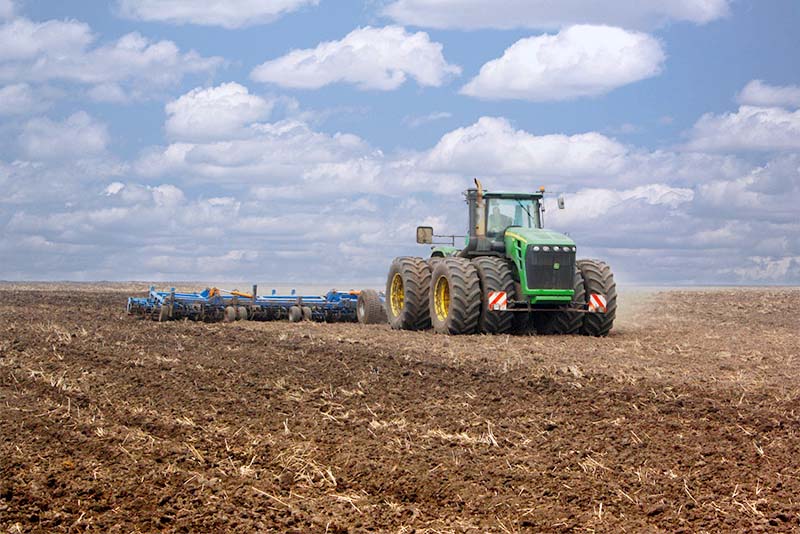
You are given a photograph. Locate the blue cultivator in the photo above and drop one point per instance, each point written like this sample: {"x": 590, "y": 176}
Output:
{"x": 220, "y": 305}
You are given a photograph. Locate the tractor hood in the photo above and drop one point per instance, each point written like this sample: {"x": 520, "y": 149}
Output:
{"x": 538, "y": 236}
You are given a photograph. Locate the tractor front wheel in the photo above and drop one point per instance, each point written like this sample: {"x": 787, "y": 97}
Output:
{"x": 407, "y": 288}
{"x": 495, "y": 275}
{"x": 598, "y": 280}
{"x": 455, "y": 297}
{"x": 564, "y": 322}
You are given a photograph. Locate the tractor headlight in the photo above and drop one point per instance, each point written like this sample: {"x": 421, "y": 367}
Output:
{"x": 556, "y": 248}
{"x": 536, "y": 248}
{"x": 546, "y": 248}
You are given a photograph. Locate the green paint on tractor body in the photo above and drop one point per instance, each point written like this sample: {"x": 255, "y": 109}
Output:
{"x": 444, "y": 251}
{"x": 517, "y": 241}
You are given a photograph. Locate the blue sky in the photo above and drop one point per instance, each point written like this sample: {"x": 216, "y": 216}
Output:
{"x": 302, "y": 140}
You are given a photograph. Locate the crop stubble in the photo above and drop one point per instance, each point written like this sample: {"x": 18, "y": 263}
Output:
{"x": 685, "y": 418}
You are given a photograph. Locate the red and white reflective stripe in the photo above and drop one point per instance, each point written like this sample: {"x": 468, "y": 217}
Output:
{"x": 498, "y": 300}
{"x": 597, "y": 303}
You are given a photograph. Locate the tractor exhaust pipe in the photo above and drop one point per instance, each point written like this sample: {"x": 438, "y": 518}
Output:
{"x": 480, "y": 220}
{"x": 477, "y": 235}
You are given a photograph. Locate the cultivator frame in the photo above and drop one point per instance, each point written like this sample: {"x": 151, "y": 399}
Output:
{"x": 215, "y": 304}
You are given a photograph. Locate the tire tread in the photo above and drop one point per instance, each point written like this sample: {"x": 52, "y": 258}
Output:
{"x": 598, "y": 278}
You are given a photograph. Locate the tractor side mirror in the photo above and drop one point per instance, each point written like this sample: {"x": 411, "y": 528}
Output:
{"x": 424, "y": 235}
{"x": 561, "y": 202}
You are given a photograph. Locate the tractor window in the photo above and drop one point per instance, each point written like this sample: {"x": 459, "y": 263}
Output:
{"x": 505, "y": 212}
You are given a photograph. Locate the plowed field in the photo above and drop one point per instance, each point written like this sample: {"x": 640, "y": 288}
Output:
{"x": 687, "y": 418}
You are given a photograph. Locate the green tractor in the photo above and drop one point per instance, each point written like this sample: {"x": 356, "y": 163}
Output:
{"x": 511, "y": 276}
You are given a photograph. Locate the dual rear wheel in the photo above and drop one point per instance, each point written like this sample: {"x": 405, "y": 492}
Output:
{"x": 448, "y": 294}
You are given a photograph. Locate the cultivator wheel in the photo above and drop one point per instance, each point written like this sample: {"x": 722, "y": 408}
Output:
{"x": 564, "y": 322}
{"x": 241, "y": 313}
{"x": 598, "y": 279}
{"x": 230, "y": 314}
{"x": 407, "y": 289}
{"x": 370, "y": 309}
{"x": 307, "y": 313}
{"x": 455, "y": 300}
{"x": 295, "y": 314}
{"x": 495, "y": 275}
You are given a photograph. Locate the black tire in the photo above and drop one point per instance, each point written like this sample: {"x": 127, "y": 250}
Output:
{"x": 460, "y": 312}
{"x": 369, "y": 308}
{"x": 308, "y": 315}
{"x": 295, "y": 314}
{"x": 598, "y": 278}
{"x": 565, "y": 322}
{"x": 230, "y": 314}
{"x": 494, "y": 275}
{"x": 523, "y": 324}
{"x": 241, "y": 314}
{"x": 411, "y": 311}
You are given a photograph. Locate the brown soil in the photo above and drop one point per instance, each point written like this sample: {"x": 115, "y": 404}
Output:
{"x": 687, "y": 419}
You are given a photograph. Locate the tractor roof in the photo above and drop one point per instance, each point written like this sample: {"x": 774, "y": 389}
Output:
{"x": 505, "y": 194}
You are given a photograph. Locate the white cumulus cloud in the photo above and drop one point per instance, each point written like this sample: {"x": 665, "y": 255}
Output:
{"x": 22, "y": 39}
{"x": 6, "y": 9}
{"x": 749, "y": 128}
{"x": 77, "y": 136}
{"x": 758, "y": 93}
{"x": 214, "y": 113}
{"x": 578, "y": 61}
{"x": 546, "y": 14}
{"x": 271, "y": 153}
{"x": 493, "y": 146}
{"x": 62, "y": 50}
{"x": 20, "y": 99}
{"x": 370, "y": 58}
{"x": 594, "y": 203}
{"x": 226, "y": 13}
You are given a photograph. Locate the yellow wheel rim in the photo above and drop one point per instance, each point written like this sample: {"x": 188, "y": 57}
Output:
{"x": 441, "y": 298}
{"x": 397, "y": 295}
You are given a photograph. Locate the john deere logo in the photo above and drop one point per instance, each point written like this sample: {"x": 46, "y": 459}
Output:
{"x": 556, "y": 266}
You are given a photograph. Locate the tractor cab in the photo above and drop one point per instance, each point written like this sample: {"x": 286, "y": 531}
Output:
{"x": 492, "y": 214}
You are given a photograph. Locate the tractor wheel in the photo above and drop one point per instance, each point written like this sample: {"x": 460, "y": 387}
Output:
{"x": 455, "y": 297}
{"x": 564, "y": 322}
{"x": 522, "y": 324}
{"x": 241, "y": 313}
{"x": 598, "y": 279}
{"x": 495, "y": 275}
{"x": 295, "y": 314}
{"x": 433, "y": 260}
{"x": 308, "y": 315}
{"x": 230, "y": 314}
{"x": 407, "y": 288}
{"x": 370, "y": 309}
